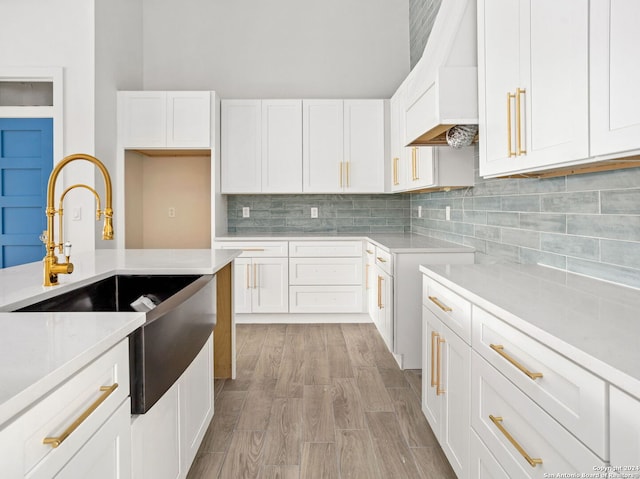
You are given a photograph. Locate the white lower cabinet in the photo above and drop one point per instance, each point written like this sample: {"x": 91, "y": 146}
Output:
{"x": 382, "y": 312}
{"x": 483, "y": 465}
{"x": 166, "y": 438}
{"x": 446, "y": 390}
{"x": 99, "y": 393}
{"x": 261, "y": 285}
{"x": 526, "y": 441}
{"x": 625, "y": 430}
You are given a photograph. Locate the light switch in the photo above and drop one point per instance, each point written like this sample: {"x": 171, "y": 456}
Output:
{"x": 314, "y": 212}
{"x": 245, "y": 211}
{"x": 76, "y": 214}
{"x": 447, "y": 213}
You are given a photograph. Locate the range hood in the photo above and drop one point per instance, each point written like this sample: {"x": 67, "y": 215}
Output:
{"x": 442, "y": 89}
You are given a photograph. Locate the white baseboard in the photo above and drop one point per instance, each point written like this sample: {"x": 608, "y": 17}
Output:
{"x": 301, "y": 318}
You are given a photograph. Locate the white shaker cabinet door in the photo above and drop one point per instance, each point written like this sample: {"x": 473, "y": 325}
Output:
{"x": 625, "y": 429}
{"x": 615, "y": 76}
{"x": 323, "y": 151}
{"x": 270, "y": 285}
{"x": 143, "y": 118}
{"x": 188, "y": 119}
{"x": 242, "y": 285}
{"x": 241, "y": 149}
{"x": 363, "y": 146}
{"x": 281, "y": 146}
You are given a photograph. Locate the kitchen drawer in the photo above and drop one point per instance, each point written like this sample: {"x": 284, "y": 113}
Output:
{"x": 22, "y": 440}
{"x": 384, "y": 260}
{"x": 572, "y": 395}
{"x": 483, "y": 464}
{"x": 324, "y": 249}
{"x": 369, "y": 248}
{"x": 257, "y": 249}
{"x": 452, "y": 309}
{"x": 325, "y": 271}
{"x": 325, "y": 299}
{"x": 496, "y": 403}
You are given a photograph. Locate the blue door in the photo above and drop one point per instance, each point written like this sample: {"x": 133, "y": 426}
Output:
{"x": 26, "y": 159}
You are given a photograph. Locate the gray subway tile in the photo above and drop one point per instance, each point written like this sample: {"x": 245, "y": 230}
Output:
{"x": 496, "y": 187}
{"x": 623, "y": 253}
{"x": 621, "y": 202}
{"x": 606, "y": 180}
{"x": 491, "y": 233}
{"x": 517, "y": 237}
{"x": 607, "y": 272}
{"x": 534, "y": 256}
{"x": 529, "y": 203}
{"x": 478, "y": 244}
{"x": 503, "y": 218}
{"x": 503, "y": 251}
{"x": 574, "y": 202}
{"x": 476, "y": 217}
{"x": 605, "y": 226}
{"x": 569, "y": 245}
{"x": 541, "y": 185}
{"x": 492, "y": 203}
{"x": 553, "y": 223}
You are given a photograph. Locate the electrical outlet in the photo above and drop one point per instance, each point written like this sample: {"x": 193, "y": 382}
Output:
{"x": 76, "y": 214}
{"x": 172, "y": 212}
{"x": 314, "y": 212}
{"x": 245, "y": 212}
{"x": 447, "y": 213}
{"x": 419, "y": 211}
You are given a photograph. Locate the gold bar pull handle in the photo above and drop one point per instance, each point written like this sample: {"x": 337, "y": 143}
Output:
{"x": 369, "y": 251}
{"x": 382, "y": 260}
{"x": 440, "y": 304}
{"x": 56, "y": 441}
{"x": 366, "y": 276}
{"x": 497, "y": 420}
{"x": 348, "y": 165}
{"x": 255, "y": 275}
{"x": 519, "y": 93}
{"x": 439, "y": 389}
{"x": 395, "y": 172}
{"x": 499, "y": 348}
{"x": 248, "y": 275}
{"x": 510, "y": 96}
{"x": 414, "y": 154}
{"x": 252, "y": 249}
{"x": 340, "y": 173}
{"x": 434, "y": 337}
{"x": 379, "y": 292}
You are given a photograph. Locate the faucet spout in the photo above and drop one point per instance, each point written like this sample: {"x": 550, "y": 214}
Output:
{"x": 52, "y": 267}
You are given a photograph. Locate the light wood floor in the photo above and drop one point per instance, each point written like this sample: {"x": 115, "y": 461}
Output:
{"x": 318, "y": 401}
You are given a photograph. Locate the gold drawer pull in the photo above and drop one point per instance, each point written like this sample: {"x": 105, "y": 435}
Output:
{"x": 369, "y": 251}
{"x": 382, "y": 260}
{"x": 499, "y": 348}
{"x": 380, "y": 305}
{"x": 497, "y": 420}
{"x": 439, "y": 389}
{"x": 252, "y": 249}
{"x": 440, "y": 305}
{"x": 434, "y": 336}
{"x": 248, "y": 276}
{"x": 56, "y": 441}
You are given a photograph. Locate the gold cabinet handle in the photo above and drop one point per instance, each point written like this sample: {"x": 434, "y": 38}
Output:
{"x": 248, "y": 276}
{"x": 440, "y": 304}
{"x": 414, "y": 168}
{"x": 255, "y": 276}
{"x": 369, "y": 251}
{"x": 497, "y": 420}
{"x": 395, "y": 171}
{"x": 366, "y": 276}
{"x": 340, "y": 173}
{"x": 434, "y": 336}
{"x": 382, "y": 260}
{"x": 56, "y": 441}
{"x": 439, "y": 389}
{"x": 499, "y": 348}
{"x": 510, "y": 96}
{"x": 252, "y": 249}
{"x": 380, "y": 306}
{"x": 519, "y": 93}
{"x": 348, "y": 165}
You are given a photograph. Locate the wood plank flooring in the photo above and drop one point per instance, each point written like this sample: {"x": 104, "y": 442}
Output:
{"x": 322, "y": 401}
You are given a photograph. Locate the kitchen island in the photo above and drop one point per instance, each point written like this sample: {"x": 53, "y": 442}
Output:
{"x": 44, "y": 353}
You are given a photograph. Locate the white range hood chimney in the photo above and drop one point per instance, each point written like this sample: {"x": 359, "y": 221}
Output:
{"x": 442, "y": 89}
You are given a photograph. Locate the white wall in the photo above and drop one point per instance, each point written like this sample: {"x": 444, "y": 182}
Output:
{"x": 41, "y": 33}
{"x": 118, "y": 66}
{"x": 277, "y": 48}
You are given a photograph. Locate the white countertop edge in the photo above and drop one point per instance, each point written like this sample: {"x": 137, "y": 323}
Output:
{"x": 25, "y": 398}
{"x": 600, "y": 368}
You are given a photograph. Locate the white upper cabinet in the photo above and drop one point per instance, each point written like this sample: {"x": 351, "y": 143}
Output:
{"x": 261, "y": 146}
{"x": 159, "y": 119}
{"x": 343, "y": 146}
{"x": 615, "y": 76}
{"x": 399, "y": 154}
{"x": 241, "y": 148}
{"x": 363, "y": 146}
{"x": 281, "y": 146}
{"x": 533, "y": 59}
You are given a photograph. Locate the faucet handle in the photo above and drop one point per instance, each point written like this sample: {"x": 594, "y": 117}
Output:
{"x": 67, "y": 249}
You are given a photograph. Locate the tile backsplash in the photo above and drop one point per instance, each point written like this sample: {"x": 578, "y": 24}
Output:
{"x": 336, "y": 213}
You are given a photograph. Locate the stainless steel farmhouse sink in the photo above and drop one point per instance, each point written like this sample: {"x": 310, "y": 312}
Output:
{"x": 175, "y": 330}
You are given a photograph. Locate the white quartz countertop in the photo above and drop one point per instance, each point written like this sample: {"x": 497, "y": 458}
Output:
{"x": 392, "y": 242}
{"x": 38, "y": 351}
{"x": 594, "y": 323}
